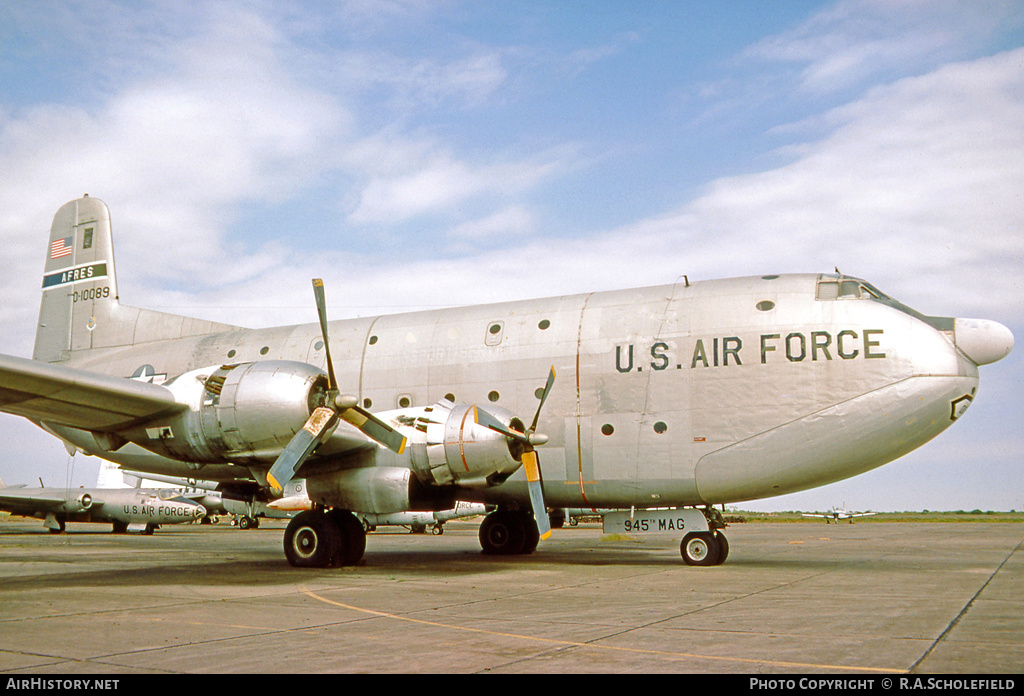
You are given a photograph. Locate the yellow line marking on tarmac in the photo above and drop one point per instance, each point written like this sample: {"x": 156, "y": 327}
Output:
{"x": 574, "y": 644}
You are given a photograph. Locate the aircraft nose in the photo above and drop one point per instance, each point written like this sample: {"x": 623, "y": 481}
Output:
{"x": 982, "y": 340}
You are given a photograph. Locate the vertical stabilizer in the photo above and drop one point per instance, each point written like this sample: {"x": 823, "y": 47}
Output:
{"x": 79, "y": 284}
{"x": 110, "y": 476}
{"x": 80, "y": 308}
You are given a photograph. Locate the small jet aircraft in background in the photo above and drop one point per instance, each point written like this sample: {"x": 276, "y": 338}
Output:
{"x": 836, "y": 514}
{"x": 669, "y": 399}
{"x": 124, "y": 507}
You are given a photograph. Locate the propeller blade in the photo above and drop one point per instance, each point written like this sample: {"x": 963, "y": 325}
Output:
{"x": 543, "y": 398}
{"x": 321, "y": 309}
{"x": 320, "y": 423}
{"x": 489, "y": 421}
{"x": 540, "y": 510}
{"x": 374, "y": 428}
{"x": 346, "y": 408}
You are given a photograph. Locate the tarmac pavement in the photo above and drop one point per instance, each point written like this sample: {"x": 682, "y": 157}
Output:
{"x": 868, "y": 600}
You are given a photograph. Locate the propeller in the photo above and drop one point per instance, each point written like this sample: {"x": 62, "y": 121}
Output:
{"x": 531, "y": 465}
{"x": 324, "y": 419}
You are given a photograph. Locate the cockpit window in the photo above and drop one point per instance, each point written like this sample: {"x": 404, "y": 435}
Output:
{"x": 840, "y": 287}
{"x": 836, "y": 287}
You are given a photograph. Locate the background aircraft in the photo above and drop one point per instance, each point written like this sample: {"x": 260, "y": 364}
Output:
{"x": 124, "y": 507}
{"x": 685, "y": 395}
{"x": 837, "y": 514}
{"x": 418, "y": 522}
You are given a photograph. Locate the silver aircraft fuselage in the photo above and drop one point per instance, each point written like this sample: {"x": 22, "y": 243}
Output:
{"x": 685, "y": 394}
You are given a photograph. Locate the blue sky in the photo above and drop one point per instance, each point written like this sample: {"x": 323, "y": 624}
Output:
{"x": 423, "y": 154}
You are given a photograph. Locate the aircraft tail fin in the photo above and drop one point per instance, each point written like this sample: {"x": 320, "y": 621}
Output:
{"x": 110, "y": 476}
{"x": 80, "y": 308}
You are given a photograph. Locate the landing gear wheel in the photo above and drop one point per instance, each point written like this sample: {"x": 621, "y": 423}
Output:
{"x": 723, "y": 548}
{"x": 311, "y": 540}
{"x": 437, "y": 530}
{"x": 502, "y": 533}
{"x": 244, "y": 522}
{"x": 699, "y": 549}
{"x": 352, "y": 538}
{"x": 532, "y": 537}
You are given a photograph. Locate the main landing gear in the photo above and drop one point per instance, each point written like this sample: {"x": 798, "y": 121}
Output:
{"x": 509, "y": 533}
{"x": 320, "y": 538}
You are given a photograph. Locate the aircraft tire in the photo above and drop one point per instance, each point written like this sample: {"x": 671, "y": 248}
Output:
{"x": 311, "y": 540}
{"x": 352, "y": 538}
{"x": 699, "y": 549}
{"x": 723, "y": 548}
{"x": 244, "y": 522}
{"x": 502, "y": 533}
{"x": 532, "y": 533}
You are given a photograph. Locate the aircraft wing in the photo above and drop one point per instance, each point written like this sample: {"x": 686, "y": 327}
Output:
{"x": 38, "y": 499}
{"x": 24, "y": 499}
{"x": 77, "y": 398}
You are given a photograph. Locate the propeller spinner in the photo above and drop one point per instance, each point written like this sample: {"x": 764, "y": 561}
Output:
{"x": 531, "y": 465}
{"x": 324, "y": 419}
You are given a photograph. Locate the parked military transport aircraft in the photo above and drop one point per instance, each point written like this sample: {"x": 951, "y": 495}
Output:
{"x": 684, "y": 395}
{"x": 121, "y": 506}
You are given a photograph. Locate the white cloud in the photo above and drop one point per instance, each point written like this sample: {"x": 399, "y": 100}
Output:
{"x": 516, "y": 221}
{"x": 407, "y": 183}
{"x": 853, "y": 40}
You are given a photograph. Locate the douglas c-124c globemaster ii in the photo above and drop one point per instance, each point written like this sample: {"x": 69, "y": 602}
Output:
{"x": 680, "y": 396}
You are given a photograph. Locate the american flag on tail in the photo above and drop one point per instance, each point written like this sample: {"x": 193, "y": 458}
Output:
{"x": 61, "y": 247}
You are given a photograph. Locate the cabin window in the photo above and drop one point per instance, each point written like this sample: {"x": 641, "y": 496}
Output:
{"x": 765, "y": 305}
{"x": 493, "y": 396}
{"x": 544, "y": 324}
{"x": 607, "y": 429}
{"x": 494, "y": 332}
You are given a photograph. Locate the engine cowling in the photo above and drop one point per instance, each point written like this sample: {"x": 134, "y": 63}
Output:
{"x": 446, "y": 449}
{"x": 448, "y": 446}
{"x": 239, "y": 413}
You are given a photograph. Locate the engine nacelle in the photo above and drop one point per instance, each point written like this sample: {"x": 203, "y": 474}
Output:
{"x": 448, "y": 447}
{"x": 239, "y": 413}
